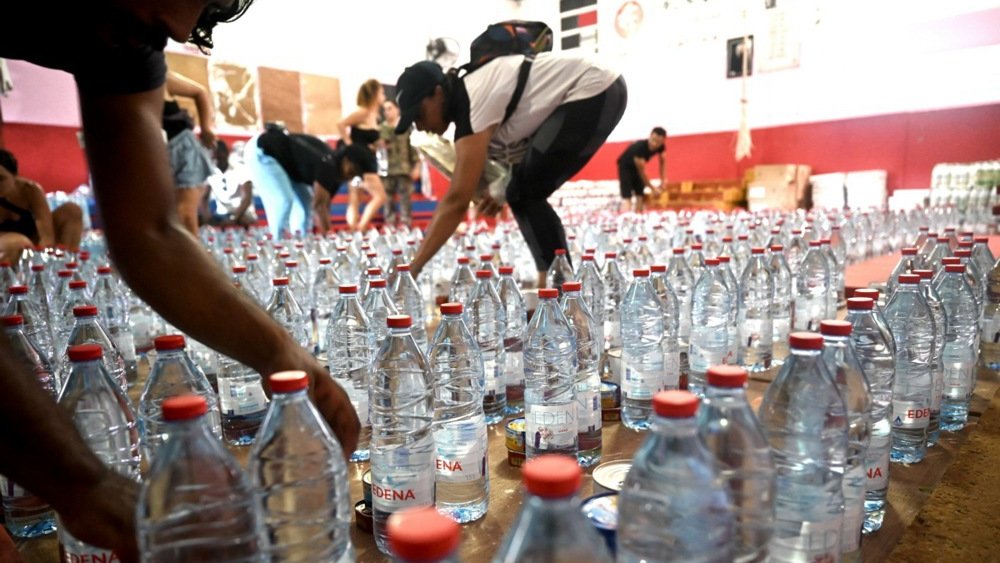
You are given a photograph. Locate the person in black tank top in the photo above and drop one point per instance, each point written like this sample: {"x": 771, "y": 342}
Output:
{"x": 632, "y": 177}
{"x": 361, "y": 128}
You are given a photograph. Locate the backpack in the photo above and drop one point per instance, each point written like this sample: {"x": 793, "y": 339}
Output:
{"x": 513, "y": 37}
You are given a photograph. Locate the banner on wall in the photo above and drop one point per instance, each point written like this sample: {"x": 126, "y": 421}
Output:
{"x": 234, "y": 90}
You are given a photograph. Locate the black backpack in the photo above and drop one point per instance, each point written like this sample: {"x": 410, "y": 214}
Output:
{"x": 514, "y": 37}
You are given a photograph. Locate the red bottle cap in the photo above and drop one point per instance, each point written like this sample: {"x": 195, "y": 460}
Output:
{"x": 17, "y": 290}
{"x": 777, "y": 248}
{"x": 727, "y": 376}
{"x": 506, "y": 270}
{"x": 835, "y": 328}
{"x": 560, "y": 252}
{"x": 422, "y": 534}
{"x": 463, "y": 260}
{"x": 963, "y": 253}
{"x": 77, "y": 284}
{"x": 395, "y": 251}
{"x": 376, "y": 282}
{"x": 85, "y": 311}
{"x": 104, "y": 270}
{"x": 950, "y": 260}
{"x": 815, "y": 243}
{"x": 37, "y": 267}
{"x": 909, "y": 278}
{"x": 805, "y": 341}
{"x": 981, "y": 239}
{"x": 909, "y": 251}
{"x": 13, "y": 320}
{"x": 184, "y": 407}
{"x": 868, "y": 292}
{"x": 279, "y": 282}
{"x": 398, "y": 321}
{"x": 658, "y": 268}
{"x": 572, "y": 286}
{"x": 610, "y": 255}
{"x": 64, "y": 273}
{"x": 757, "y": 250}
{"x": 452, "y": 308}
{"x": 548, "y": 293}
{"x": 955, "y": 268}
{"x": 325, "y": 261}
{"x": 552, "y": 476}
{"x": 724, "y": 259}
{"x": 711, "y": 261}
{"x": 374, "y": 272}
{"x": 85, "y": 353}
{"x": 742, "y": 237}
{"x": 587, "y": 258}
{"x": 696, "y": 247}
{"x": 348, "y": 289}
{"x": 403, "y": 268}
{"x": 678, "y": 251}
{"x": 289, "y": 381}
{"x": 860, "y": 304}
{"x": 484, "y": 274}
{"x": 675, "y": 404}
{"x": 485, "y": 257}
{"x": 640, "y": 272}
{"x": 169, "y": 342}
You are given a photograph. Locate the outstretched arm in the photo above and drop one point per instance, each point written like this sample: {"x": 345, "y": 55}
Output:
{"x": 178, "y": 85}
{"x": 167, "y": 267}
{"x": 40, "y": 209}
{"x": 470, "y": 158}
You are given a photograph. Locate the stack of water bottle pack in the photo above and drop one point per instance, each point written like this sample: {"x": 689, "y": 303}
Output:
{"x": 658, "y": 302}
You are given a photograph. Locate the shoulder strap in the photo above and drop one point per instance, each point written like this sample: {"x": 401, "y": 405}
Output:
{"x": 522, "y": 82}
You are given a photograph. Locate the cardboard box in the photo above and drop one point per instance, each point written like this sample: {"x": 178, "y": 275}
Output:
{"x": 777, "y": 186}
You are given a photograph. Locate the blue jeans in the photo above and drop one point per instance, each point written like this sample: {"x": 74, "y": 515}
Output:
{"x": 287, "y": 204}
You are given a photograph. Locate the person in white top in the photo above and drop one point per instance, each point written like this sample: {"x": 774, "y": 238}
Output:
{"x": 568, "y": 108}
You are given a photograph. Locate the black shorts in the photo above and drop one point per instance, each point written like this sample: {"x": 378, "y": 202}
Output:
{"x": 629, "y": 182}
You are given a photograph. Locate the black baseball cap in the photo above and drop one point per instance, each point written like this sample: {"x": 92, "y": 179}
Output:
{"x": 416, "y": 83}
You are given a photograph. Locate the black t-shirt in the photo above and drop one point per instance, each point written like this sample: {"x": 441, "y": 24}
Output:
{"x": 638, "y": 149}
{"x": 105, "y": 49}
{"x": 307, "y": 159}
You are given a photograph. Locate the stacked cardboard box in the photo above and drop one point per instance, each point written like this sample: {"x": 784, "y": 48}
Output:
{"x": 777, "y": 186}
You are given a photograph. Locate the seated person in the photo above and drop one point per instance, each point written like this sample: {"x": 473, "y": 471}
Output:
{"x": 229, "y": 201}
{"x": 25, "y": 218}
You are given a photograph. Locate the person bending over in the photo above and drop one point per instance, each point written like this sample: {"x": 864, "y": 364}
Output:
{"x": 632, "y": 177}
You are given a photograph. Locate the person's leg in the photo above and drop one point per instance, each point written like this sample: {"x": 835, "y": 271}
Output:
{"x": 67, "y": 222}
{"x": 299, "y": 218}
{"x": 273, "y": 185}
{"x": 188, "y": 201}
{"x": 353, "y": 206}
{"x": 563, "y": 144}
{"x": 406, "y": 201}
{"x": 625, "y": 182}
{"x": 392, "y": 184}
{"x": 11, "y": 245}
{"x": 321, "y": 209}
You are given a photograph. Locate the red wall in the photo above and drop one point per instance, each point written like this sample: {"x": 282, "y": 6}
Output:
{"x": 906, "y": 145}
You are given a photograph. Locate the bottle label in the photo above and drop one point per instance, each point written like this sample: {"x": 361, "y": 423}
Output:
{"x": 86, "y": 554}
{"x": 391, "y": 494}
{"x": 588, "y": 409}
{"x": 469, "y": 466}
{"x": 551, "y": 426}
{"x": 238, "y": 398}
{"x": 672, "y": 370}
{"x": 957, "y": 379}
{"x": 816, "y": 542}
{"x": 635, "y": 385}
{"x": 911, "y": 414}
{"x": 878, "y": 472}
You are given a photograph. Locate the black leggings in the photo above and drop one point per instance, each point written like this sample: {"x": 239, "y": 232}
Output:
{"x": 563, "y": 144}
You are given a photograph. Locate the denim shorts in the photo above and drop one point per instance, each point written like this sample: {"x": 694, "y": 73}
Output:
{"x": 189, "y": 161}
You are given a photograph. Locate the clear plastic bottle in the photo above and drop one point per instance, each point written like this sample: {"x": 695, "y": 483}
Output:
{"x": 26, "y": 515}
{"x": 592, "y": 289}
{"x": 959, "y": 350}
{"x": 457, "y": 368}
{"x": 77, "y": 295}
{"x": 101, "y": 412}
{"x": 401, "y": 409}
{"x": 731, "y": 432}
{"x": 983, "y": 257}
{"x": 487, "y": 319}
{"x": 36, "y": 324}
{"x": 989, "y": 336}
{"x": 423, "y": 535}
{"x": 812, "y": 290}
{"x": 242, "y": 402}
{"x": 462, "y": 282}
{"x": 378, "y": 306}
{"x": 642, "y": 351}
{"x": 756, "y": 302}
{"x": 550, "y": 369}
{"x": 941, "y": 321}
{"x": 88, "y": 330}
{"x": 842, "y": 363}
{"x": 560, "y": 271}
{"x": 196, "y": 504}
{"x": 805, "y": 420}
{"x": 513, "y": 339}
{"x": 836, "y": 294}
{"x": 911, "y": 323}
{"x": 672, "y": 463}
{"x": 324, "y": 287}
{"x": 350, "y": 343}
{"x": 874, "y": 350}
{"x": 550, "y": 525}
{"x": 783, "y": 304}
{"x": 409, "y": 301}
{"x": 285, "y": 310}
{"x": 173, "y": 373}
{"x": 696, "y": 261}
{"x": 588, "y": 381}
{"x": 299, "y": 479}
{"x": 907, "y": 263}
{"x": 671, "y": 325}
{"x": 614, "y": 291}
{"x": 712, "y": 303}
{"x": 113, "y": 308}
{"x": 682, "y": 282}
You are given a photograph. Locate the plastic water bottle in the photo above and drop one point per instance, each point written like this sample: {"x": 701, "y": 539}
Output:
{"x": 682, "y": 282}
{"x": 642, "y": 351}
{"x": 242, "y": 402}
{"x": 77, "y": 295}
{"x": 513, "y": 339}
{"x": 462, "y": 282}
{"x": 423, "y": 535}
{"x": 812, "y": 289}
{"x": 671, "y": 325}
{"x": 696, "y": 261}
{"x": 907, "y": 263}
{"x": 26, "y": 515}
{"x": 697, "y": 523}
{"x": 457, "y": 367}
{"x": 324, "y": 286}
{"x": 196, "y": 504}
{"x": 929, "y": 290}
{"x": 912, "y": 326}
{"x": 88, "y": 330}
{"x": 351, "y": 346}
{"x": 592, "y": 290}
{"x": 550, "y": 369}
{"x": 756, "y": 302}
{"x": 102, "y": 414}
{"x": 781, "y": 308}
{"x": 836, "y": 279}
{"x": 560, "y": 271}
{"x": 299, "y": 478}
{"x": 842, "y": 363}
{"x": 959, "y": 355}
{"x": 401, "y": 409}
{"x": 378, "y": 306}
{"x": 730, "y": 431}
{"x": 39, "y": 290}
{"x": 409, "y": 301}
{"x": 614, "y": 291}
{"x": 805, "y": 420}
{"x": 112, "y": 306}
{"x": 712, "y": 301}
{"x": 487, "y": 318}
{"x": 588, "y": 381}
{"x": 732, "y": 328}
{"x": 983, "y": 256}
{"x": 874, "y": 350}
{"x": 550, "y": 526}
{"x": 173, "y": 373}
{"x": 989, "y": 343}
{"x": 35, "y": 323}
{"x": 285, "y": 310}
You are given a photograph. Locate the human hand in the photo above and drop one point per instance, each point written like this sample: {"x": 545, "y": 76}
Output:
{"x": 415, "y": 174}
{"x": 488, "y": 206}
{"x": 104, "y": 515}
{"x": 208, "y": 138}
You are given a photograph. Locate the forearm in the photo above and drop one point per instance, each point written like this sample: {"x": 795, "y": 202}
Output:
{"x": 206, "y": 113}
